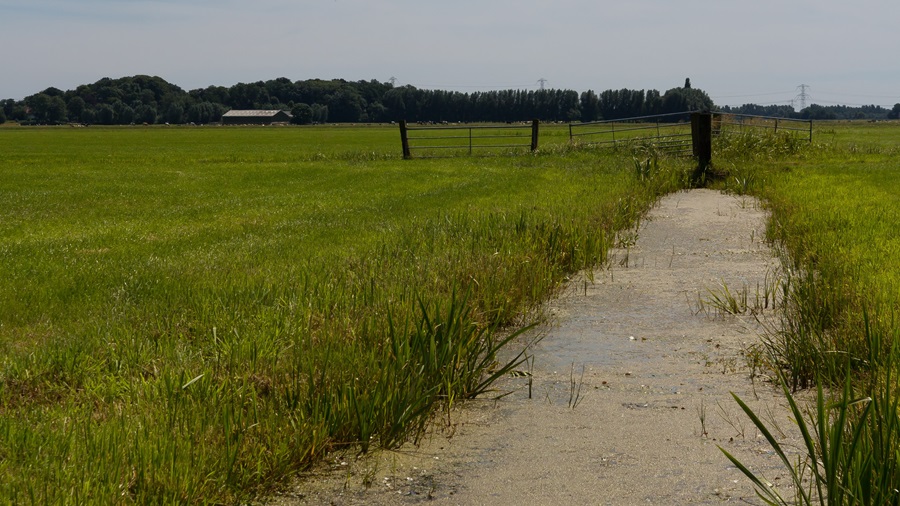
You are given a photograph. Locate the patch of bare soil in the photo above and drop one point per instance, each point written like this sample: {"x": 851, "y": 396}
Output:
{"x": 630, "y": 387}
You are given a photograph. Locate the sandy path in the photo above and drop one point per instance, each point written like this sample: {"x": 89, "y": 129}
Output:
{"x": 657, "y": 375}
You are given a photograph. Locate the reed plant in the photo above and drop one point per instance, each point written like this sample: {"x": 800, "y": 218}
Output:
{"x": 850, "y": 438}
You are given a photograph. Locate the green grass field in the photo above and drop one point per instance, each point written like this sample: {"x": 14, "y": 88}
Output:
{"x": 189, "y": 315}
{"x": 835, "y": 209}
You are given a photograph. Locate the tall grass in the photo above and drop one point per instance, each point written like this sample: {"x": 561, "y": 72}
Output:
{"x": 191, "y": 315}
{"x": 834, "y": 208}
{"x": 851, "y": 440}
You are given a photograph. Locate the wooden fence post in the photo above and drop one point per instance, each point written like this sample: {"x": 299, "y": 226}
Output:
{"x": 701, "y": 134}
{"x": 404, "y": 140}
{"x": 534, "y": 135}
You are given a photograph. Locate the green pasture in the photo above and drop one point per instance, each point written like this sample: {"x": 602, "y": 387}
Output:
{"x": 835, "y": 208}
{"x": 874, "y": 137}
{"x": 192, "y": 315}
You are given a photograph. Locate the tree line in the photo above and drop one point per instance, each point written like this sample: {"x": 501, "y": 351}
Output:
{"x": 149, "y": 100}
{"x": 817, "y": 112}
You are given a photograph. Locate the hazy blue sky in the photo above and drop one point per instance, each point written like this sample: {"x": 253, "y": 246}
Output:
{"x": 737, "y": 50}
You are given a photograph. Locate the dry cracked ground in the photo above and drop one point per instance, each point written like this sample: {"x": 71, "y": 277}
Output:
{"x": 629, "y": 397}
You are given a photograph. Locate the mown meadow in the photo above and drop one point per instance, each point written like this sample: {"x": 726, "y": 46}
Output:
{"x": 193, "y": 315}
{"x": 835, "y": 209}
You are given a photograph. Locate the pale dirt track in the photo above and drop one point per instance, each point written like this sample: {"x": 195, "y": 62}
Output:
{"x": 656, "y": 375}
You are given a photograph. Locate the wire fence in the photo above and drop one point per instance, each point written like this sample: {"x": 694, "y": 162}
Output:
{"x": 673, "y": 134}
{"x": 436, "y": 141}
{"x": 740, "y": 123}
{"x": 676, "y": 134}
{"x": 667, "y": 132}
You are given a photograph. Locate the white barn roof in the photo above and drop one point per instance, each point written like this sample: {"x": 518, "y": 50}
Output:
{"x": 253, "y": 113}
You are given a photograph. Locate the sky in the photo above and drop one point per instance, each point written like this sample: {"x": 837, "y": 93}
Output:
{"x": 738, "y": 51}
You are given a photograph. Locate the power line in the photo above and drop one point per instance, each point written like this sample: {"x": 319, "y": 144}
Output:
{"x": 844, "y": 94}
{"x": 476, "y": 86}
{"x": 754, "y": 94}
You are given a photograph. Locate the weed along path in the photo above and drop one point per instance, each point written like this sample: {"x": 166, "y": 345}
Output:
{"x": 630, "y": 386}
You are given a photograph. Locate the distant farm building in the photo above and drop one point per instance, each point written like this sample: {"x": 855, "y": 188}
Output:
{"x": 255, "y": 117}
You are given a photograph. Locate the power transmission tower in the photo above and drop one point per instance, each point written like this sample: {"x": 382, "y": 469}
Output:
{"x": 542, "y": 82}
{"x": 803, "y": 95}
{"x": 393, "y": 80}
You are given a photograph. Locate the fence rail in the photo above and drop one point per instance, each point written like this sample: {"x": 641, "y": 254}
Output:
{"x": 681, "y": 134}
{"x": 427, "y": 139}
{"x": 724, "y": 123}
{"x": 673, "y": 134}
{"x": 668, "y": 132}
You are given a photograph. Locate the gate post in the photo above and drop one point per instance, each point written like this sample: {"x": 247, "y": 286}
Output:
{"x": 534, "y": 135}
{"x": 404, "y": 140}
{"x": 701, "y": 134}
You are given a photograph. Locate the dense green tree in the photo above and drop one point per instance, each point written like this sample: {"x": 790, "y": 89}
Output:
{"x": 47, "y": 109}
{"x": 214, "y": 94}
{"x": 817, "y": 112}
{"x": 395, "y": 103}
{"x": 76, "y": 106}
{"x": 371, "y": 91}
{"x": 652, "y": 103}
{"x": 280, "y": 91}
{"x": 590, "y": 106}
{"x": 57, "y": 110}
{"x": 105, "y": 115}
{"x": 205, "y": 112}
{"x": 624, "y": 103}
{"x": 145, "y": 113}
{"x": 148, "y": 97}
{"x": 895, "y": 112}
{"x": 678, "y": 100}
{"x": 155, "y": 85}
{"x": 302, "y": 114}
{"x": 2, "y": 116}
{"x": 39, "y": 105}
{"x": 19, "y": 113}
{"x": 376, "y": 111}
{"x": 174, "y": 113}
{"x": 246, "y": 96}
{"x": 89, "y": 116}
{"x": 319, "y": 113}
{"x": 124, "y": 114}
{"x": 7, "y": 106}
{"x": 53, "y": 92}
{"x": 108, "y": 92}
{"x": 775, "y": 110}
